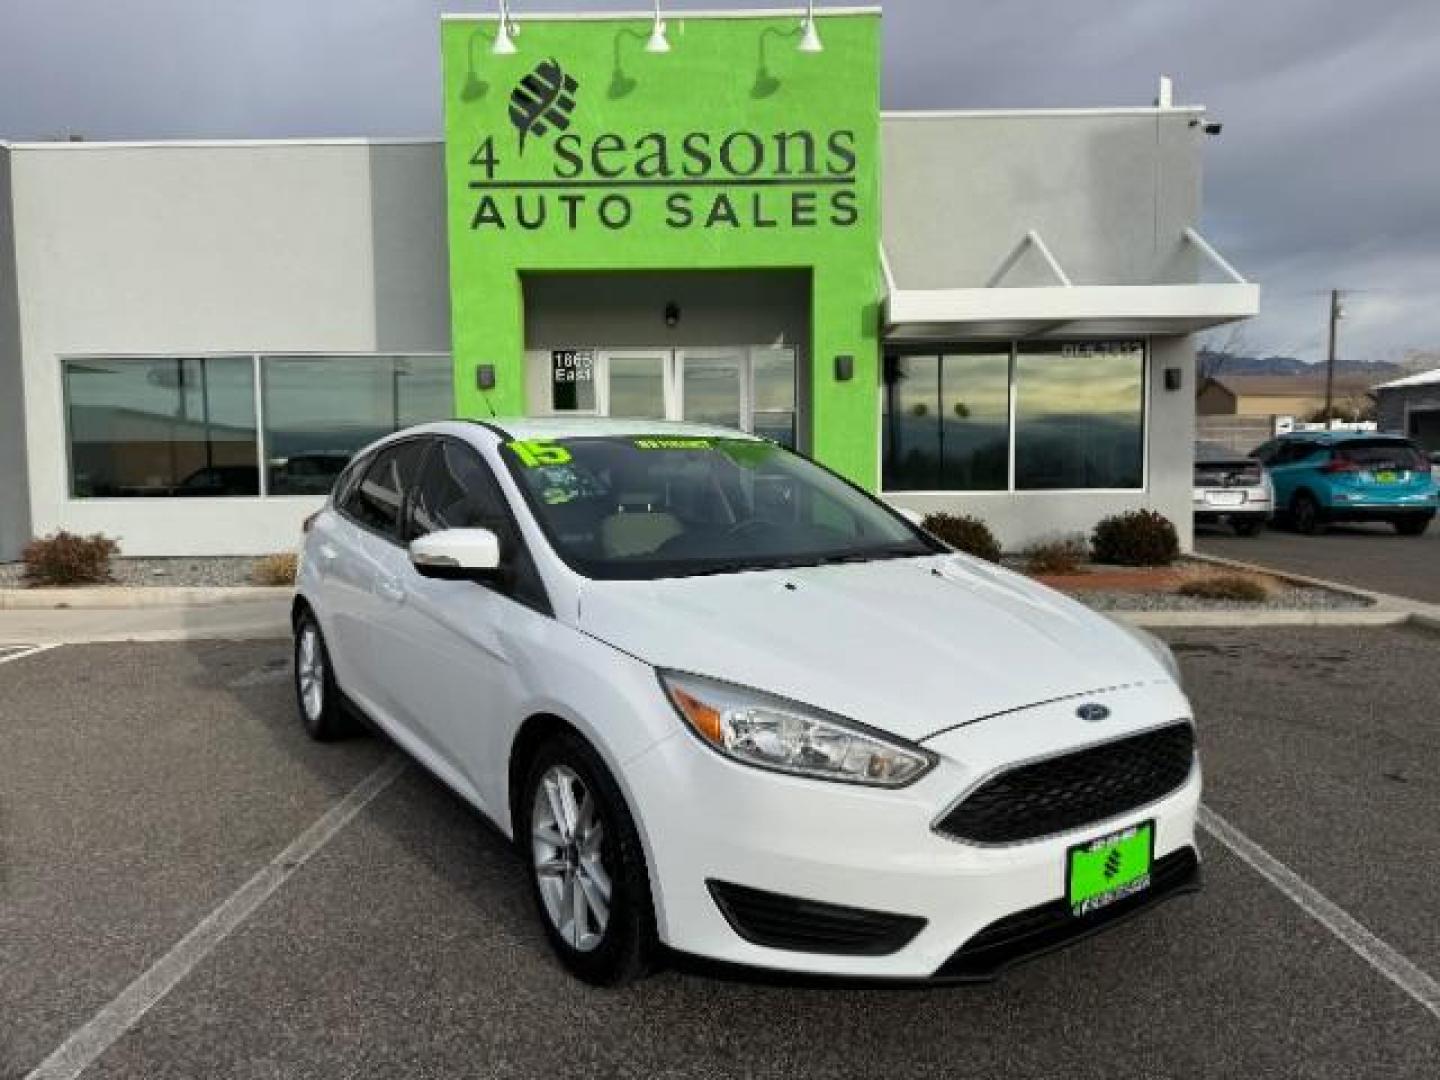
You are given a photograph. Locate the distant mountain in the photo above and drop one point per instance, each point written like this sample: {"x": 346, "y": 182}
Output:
{"x": 1216, "y": 362}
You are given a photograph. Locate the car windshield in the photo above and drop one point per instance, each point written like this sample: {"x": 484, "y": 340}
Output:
{"x": 653, "y": 506}
{"x": 1382, "y": 454}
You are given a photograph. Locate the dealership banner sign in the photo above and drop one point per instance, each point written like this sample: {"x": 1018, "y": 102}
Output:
{"x": 734, "y": 151}
{"x": 741, "y": 178}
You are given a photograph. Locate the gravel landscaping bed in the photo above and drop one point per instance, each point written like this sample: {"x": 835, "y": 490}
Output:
{"x": 1090, "y": 589}
{"x": 160, "y": 572}
{"x": 1285, "y": 598}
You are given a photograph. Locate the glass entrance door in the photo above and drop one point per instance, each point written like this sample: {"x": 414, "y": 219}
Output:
{"x": 713, "y": 386}
{"x": 750, "y": 387}
{"x": 637, "y": 383}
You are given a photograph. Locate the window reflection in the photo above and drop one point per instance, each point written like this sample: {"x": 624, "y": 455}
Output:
{"x": 1080, "y": 415}
{"x": 712, "y": 389}
{"x": 1079, "y": 418}
{"x": 912, "y": 428}
{"x": 637, "y": 387}
{"x": 319, "y": 410}
{"x": 158, "y": 427}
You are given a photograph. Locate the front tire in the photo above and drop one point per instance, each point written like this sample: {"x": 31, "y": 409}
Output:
{"x": 1307, "y": 515}
{"x": 317, "y": 697}
{"x": 586, "y": 865}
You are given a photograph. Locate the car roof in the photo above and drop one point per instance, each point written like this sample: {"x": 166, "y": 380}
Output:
{"x": 565, "y": 427}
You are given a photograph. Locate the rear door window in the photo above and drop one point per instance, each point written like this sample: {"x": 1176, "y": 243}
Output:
{"x": 378, "y": 501}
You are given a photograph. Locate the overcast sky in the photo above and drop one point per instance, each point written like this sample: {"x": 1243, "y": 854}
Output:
{"x": 1327, "y": 173}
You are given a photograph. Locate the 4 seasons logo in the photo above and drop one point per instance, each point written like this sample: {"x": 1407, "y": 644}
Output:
{"x": 694, "y": 179}
{"x": 542, "y": 100}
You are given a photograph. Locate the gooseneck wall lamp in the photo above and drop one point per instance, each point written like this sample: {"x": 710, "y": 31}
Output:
{"x": 658, "y": 42}
{"x": 505, "y": 33}
{"x": 810, "y": 33}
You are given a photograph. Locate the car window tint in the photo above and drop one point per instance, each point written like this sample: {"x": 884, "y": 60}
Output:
{"x": 380, "y": 495}
{"x": 1382, "y": 454}
{"x": 1293, "y": 452}
{"x": 345, "y": 484}
{"x": 456, "y": 491}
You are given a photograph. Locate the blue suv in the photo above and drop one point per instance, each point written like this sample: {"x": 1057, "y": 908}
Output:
{"x": 1326, "y": 476}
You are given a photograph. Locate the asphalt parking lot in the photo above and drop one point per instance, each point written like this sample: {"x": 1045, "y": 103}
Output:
{"x": 1368, "y": 556}
{"x": 144, "y": 784}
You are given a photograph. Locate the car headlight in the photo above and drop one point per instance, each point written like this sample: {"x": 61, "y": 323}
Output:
{"x": 773, "y": 733}
{"x": 1154, "y": 646}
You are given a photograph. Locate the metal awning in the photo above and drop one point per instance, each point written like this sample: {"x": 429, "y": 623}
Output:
{"x": 996, "y": 311}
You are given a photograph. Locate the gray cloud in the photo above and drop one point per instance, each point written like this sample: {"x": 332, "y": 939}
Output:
{"x": 1325, "y": 174}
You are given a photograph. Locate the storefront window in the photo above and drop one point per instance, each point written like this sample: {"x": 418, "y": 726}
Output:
{"x": 947, "y": 421}
{"x": 158, "y": 427}
{"x": 1079, "y": 418}
{"x": 319, "y": 410}
{"x": 1079, "y": 415}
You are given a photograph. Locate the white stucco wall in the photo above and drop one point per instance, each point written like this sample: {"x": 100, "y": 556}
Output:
{"x": 219, "y": 248}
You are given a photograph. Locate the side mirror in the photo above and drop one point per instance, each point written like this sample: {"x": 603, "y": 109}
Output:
{"x": 457, "y": 555}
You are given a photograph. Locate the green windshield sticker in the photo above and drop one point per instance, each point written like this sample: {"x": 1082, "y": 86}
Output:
{"x": 672, "y": 444}
{"x": 537, "y": 453}
{"x": 554, "y": 496}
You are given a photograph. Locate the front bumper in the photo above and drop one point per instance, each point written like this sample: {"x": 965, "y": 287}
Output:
{"x": 708, "y": 819}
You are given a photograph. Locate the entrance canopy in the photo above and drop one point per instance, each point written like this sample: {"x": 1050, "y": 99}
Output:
{"x": 1061, "y": 308}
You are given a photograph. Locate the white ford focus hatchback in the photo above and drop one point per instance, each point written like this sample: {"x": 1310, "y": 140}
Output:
{"x": 728, "y": 703}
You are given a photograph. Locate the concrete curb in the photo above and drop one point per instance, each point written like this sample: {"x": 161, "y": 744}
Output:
{"x": 1241, "y": 620}
{"x": 138, "y": 596}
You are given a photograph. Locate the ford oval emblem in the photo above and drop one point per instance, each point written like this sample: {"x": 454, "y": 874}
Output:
{"x": 1092, "y": 713}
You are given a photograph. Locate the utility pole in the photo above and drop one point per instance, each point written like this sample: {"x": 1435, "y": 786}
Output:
{"x": 1335, "y": 316}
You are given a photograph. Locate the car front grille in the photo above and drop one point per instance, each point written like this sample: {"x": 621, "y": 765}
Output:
{"x": 1050, "y": 926}
{"x": 1068, "y": 792}
{"x": 790, "y": 922}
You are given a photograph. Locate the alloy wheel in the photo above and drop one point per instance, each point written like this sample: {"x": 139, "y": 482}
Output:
{"x": 310, "y": 671}
{"x": 568, "y": 847}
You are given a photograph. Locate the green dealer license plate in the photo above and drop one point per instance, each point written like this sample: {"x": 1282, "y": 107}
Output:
{"x": 1110, "y": 868}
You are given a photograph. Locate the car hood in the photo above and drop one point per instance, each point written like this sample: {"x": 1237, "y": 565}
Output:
{"x": 910, "y": 646}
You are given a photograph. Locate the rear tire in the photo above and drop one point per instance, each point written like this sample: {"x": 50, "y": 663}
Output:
{"x": 1414, "y": 525}
{"x": 1307, "y": 514}
{"x": 1246, "y": 526}
{"x": 317, "y": 697}
{"x": 586, "y": 865}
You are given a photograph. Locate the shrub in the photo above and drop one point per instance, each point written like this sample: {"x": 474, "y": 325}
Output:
{"x": 276, "y": 570}
{"x": 1139, "y": 538}
{"x": 1062, "y": 555}
{"x": 1242, "y": 587}
{"x": 62, "y": 558}
{"x": 965, "y": 533}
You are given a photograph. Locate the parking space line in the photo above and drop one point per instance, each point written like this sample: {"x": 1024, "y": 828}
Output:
{"x": 90, "y": 1041}
{"x": 19, "y": 652}
{"x": 1377, "y": 953}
